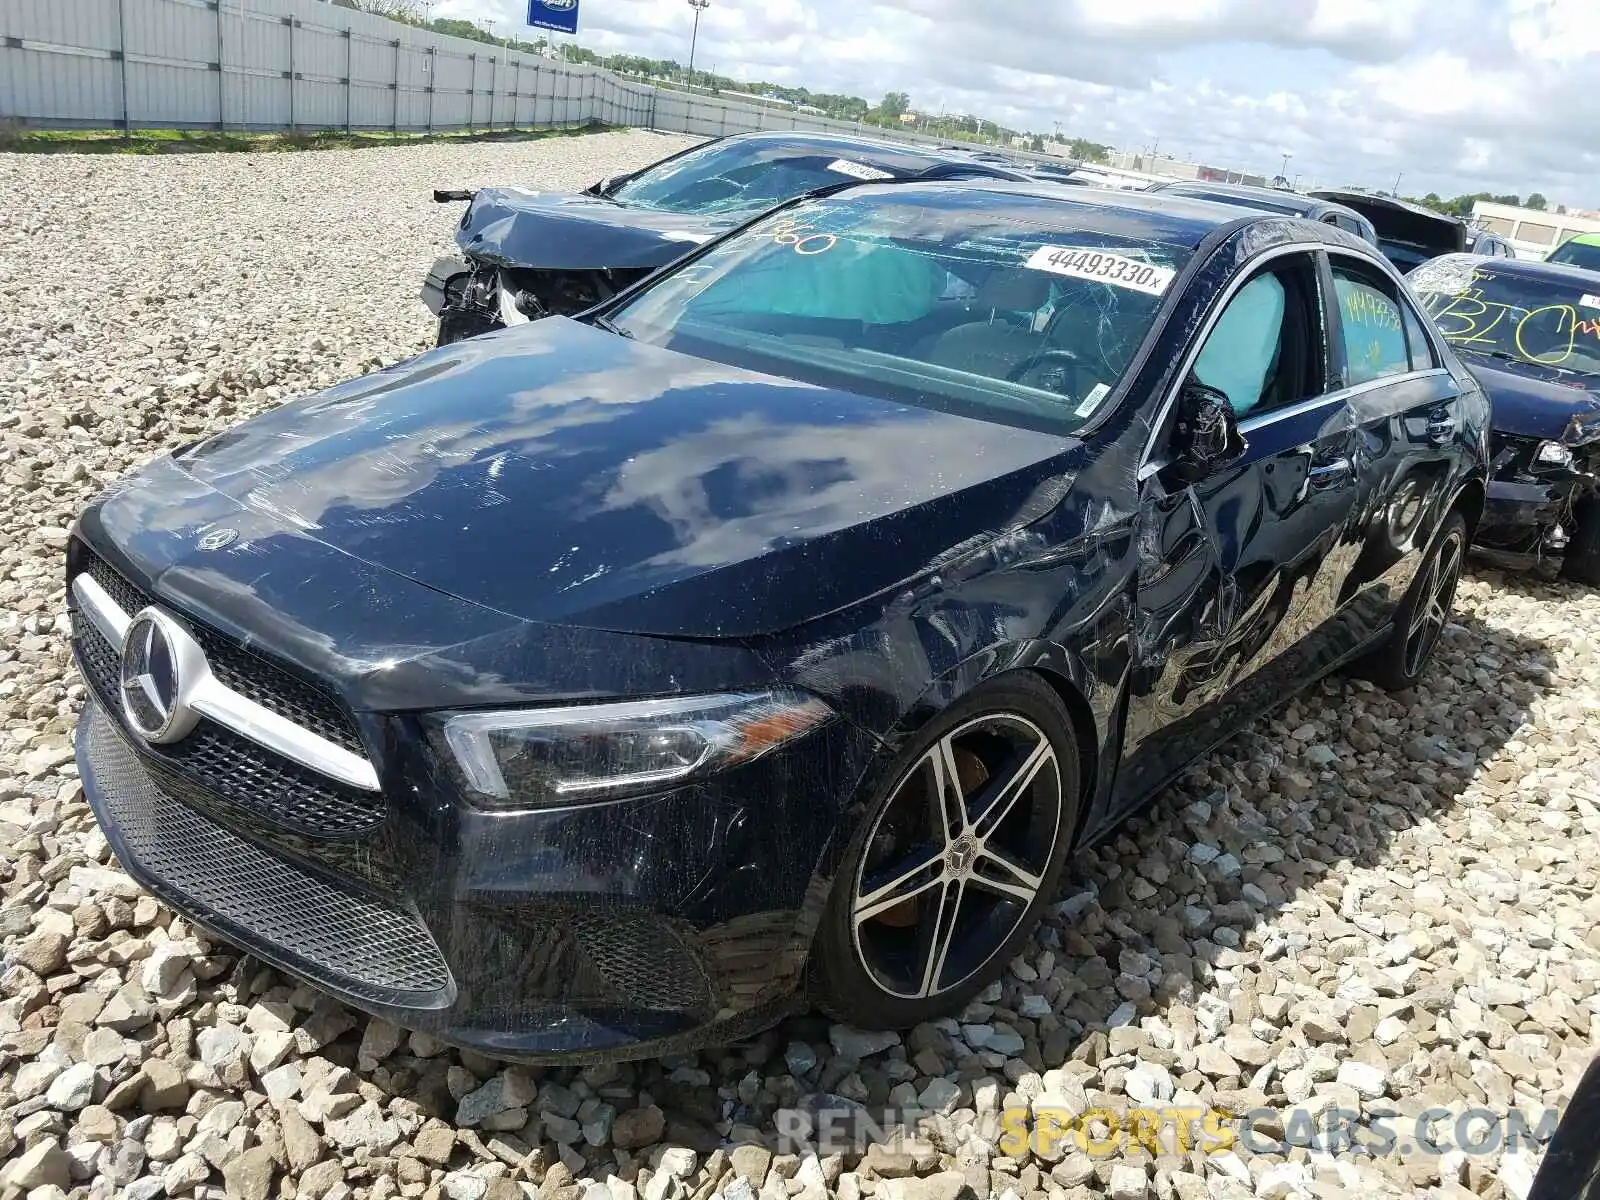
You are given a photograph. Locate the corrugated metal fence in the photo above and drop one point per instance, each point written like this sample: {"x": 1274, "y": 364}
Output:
{"x": 309, "y": 65}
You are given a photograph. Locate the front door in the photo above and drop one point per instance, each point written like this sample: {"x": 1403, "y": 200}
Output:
{"x": 1237, "y": 569}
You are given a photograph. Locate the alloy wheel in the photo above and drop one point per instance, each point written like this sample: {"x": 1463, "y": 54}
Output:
{"x": 957, "y": 856}
{"x": 1436, "y": 595}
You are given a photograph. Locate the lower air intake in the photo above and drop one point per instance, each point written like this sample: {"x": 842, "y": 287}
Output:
{"x": 336, "y": 936}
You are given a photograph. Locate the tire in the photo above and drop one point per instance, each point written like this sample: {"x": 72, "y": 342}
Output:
{"x": 1399, "y": 663}
{"x": 1582, "y": 561}
{"x": 927, "y": 909}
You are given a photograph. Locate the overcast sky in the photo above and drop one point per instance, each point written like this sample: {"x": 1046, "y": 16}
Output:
{"x": 1460, "y": 95}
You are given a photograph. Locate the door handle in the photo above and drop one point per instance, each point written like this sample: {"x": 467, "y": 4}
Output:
{"x": 1330, "y": 474}
{"x": 1442, "y": 427}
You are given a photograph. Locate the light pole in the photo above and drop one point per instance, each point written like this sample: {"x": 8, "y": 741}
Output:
{"x": 699, "y": 6}
{"x": 1283, "y": 170}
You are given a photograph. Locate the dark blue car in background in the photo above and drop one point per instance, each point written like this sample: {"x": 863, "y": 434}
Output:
{"x": 1278, "y": 200}
{"x": 527, "y": 254}
{"x": 1530, "y": 331}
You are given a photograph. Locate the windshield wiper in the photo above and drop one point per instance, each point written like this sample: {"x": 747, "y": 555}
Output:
{"x": 1507, "y": 356}
{"x": 611, "y": 326}
{"x": 1503, "y": 356}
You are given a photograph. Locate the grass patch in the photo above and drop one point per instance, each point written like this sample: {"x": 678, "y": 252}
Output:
{"x": 16, "y": 138}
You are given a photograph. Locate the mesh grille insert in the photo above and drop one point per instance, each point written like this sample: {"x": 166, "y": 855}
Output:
{"x": 335, "y": 935}
{"x": 235, "y": 769}
{"x": 642, "y": 961}
{"x": 274, "y": 687}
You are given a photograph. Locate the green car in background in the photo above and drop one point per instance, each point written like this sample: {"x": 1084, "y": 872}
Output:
{"x": 1580, "y": 250}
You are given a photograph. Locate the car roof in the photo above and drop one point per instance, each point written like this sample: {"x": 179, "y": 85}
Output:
{"x": 1173, "y": 217}
{"x": 1527, "y": 268}
{"x": 1584, "y": 239}
{"x": 902, "y": 154}
{"x": 1244, "y": 191}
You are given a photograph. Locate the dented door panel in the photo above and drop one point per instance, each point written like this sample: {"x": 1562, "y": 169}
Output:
{"x": 1237, "y": 572}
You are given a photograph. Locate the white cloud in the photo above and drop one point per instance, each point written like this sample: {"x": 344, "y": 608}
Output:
{"x": 1478, "y": 94}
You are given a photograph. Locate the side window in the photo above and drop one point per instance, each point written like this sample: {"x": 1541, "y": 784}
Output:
{"x": 1422, "y": 358}
{"x": 1263, "y": 352}
{"x": 1372, "y": 328}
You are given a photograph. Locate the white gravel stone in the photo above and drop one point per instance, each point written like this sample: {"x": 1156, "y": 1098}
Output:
{"x": 1370, "y": 1082}
{"x": 73, "y": 1088}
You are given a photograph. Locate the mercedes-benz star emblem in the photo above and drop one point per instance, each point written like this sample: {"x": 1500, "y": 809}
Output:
{"x": 216, "y": 539}
{"x": 960, "y": 856}
{"x": 155, "y": 663}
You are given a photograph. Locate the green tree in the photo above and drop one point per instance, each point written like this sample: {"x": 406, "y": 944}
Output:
{"x": 1086, "y": 151}
{"x": 894, "y": 105}
{"x": 1537, "y": 200}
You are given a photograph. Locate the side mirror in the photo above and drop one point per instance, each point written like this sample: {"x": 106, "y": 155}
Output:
{"x": 1206, "y": 437}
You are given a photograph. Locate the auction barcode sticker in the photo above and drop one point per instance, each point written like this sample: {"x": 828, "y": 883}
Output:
{"x": 1104, "y": 267}
{"x": 857, "y": 170}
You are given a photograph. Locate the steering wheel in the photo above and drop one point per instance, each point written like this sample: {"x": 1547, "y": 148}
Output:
{"x": 1064, "y": 372}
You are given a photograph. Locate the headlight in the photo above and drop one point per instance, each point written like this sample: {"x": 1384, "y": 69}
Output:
{"x": 552, "y": 757}
{"x": 1552, "y": 454}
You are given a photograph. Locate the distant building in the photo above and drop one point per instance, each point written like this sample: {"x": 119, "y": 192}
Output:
{"x": 1532, "y": 232}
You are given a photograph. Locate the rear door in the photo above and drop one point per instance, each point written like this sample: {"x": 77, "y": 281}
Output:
{"x": 1405, "y": 412}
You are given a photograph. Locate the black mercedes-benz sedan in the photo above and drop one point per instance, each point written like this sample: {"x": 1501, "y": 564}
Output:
{"x": 777, "y": 631}
{"x": 527, "y": 254}
{"x": 1530, "y": 331}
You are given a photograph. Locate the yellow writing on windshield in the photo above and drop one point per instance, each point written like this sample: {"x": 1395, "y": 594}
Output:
{"x": 1547, "y": 335}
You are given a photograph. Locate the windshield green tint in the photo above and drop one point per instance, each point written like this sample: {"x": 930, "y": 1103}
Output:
{"x": 1004, "y": 308}
{"x": 1481, "y": 311}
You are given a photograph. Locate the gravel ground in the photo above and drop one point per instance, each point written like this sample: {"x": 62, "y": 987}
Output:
{"x": 1372, "y": 904}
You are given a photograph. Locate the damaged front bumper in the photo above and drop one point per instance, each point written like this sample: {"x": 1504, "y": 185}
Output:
{"x": 539, "y": 936}
{"x": 471, "y": 297}
{"x": 1535, "y": 495}
{"x": 442, "y": 285}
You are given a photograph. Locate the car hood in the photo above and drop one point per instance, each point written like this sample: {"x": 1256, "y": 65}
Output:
{"x": 518, "y": 227}
{"x": 1531, "y": 401}
{"x": 559, "y": 473}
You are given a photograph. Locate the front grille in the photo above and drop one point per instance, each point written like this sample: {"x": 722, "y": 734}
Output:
{"x": 273, "y": 686}
{"x": 216, "y": 763}
{"x": 336, "y": 936}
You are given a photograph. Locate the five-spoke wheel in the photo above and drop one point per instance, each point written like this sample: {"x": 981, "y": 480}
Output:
{"x": 1399, "y": 662}
{"x": 1436, "y": 595}
{"x": 956, "y": 858}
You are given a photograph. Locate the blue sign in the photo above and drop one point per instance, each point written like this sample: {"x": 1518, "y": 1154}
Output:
{"x": 560, "y": 15}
